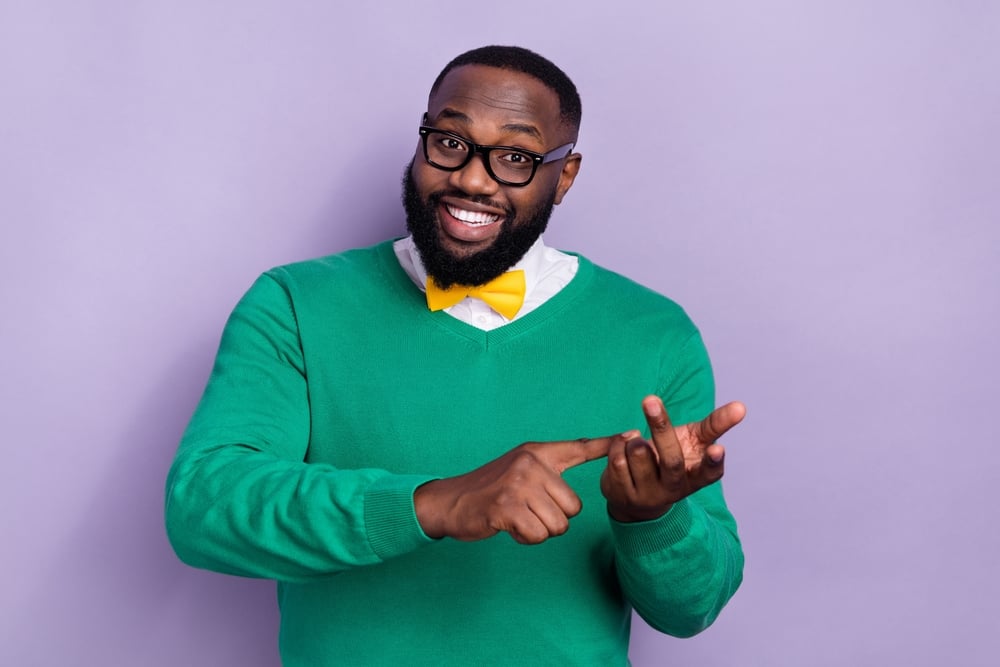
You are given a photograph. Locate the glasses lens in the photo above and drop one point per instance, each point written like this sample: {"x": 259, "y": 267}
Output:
{"x": 511, "y": 166}
{"x": 445, "y": 150}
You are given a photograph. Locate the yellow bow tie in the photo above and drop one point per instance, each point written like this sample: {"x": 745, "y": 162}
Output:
{"x": 504, "y": 294}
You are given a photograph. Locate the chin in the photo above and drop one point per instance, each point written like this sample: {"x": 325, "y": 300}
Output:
{"x": 463, "y": 249}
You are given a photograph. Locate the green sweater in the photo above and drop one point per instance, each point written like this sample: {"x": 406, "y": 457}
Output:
{"x": 336, "y": 392}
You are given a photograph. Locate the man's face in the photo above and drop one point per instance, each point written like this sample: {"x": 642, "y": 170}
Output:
{"x": 467, "y": 227}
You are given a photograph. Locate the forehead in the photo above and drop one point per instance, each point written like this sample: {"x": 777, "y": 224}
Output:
{"x": 489, "y": 98}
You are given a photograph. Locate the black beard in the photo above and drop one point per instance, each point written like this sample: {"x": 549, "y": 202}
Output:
{"x": 481, "y": 267}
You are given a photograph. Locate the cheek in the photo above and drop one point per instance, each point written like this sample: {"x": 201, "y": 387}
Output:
{"x": 528, "y": 200}
{"x": 428, "y": 179}
{"x": 521, "y": 204}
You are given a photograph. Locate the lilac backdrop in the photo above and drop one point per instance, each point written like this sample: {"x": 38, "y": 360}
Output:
{"x": 816, "y": 182}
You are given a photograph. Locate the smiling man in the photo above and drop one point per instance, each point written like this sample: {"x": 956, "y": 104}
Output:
{"x": 393, "y": 433}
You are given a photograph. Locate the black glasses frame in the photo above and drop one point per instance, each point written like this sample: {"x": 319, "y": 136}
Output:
{"x": 537, "y": 159}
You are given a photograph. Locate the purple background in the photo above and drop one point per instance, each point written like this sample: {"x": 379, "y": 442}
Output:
{"x": 816, "y": 182}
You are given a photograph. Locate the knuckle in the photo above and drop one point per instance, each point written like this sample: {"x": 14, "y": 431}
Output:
{"x": 575, "y": 506}
{"x": 507, "y": 502}
{"x": 532, "y": 536}
{"x": 526, "y": 456}
{"x": 675, "y": 467}
{"x": 639, "y": 451}
{"x": 659, "y": 423}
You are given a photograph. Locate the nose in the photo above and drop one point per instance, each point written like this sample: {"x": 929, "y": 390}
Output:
{"x": 473, "y": 179}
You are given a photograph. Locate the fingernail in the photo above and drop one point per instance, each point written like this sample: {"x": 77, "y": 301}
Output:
{"x": 629, "y": 435}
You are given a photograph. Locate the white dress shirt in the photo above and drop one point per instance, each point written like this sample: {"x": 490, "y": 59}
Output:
{"x": 546, "y": 271}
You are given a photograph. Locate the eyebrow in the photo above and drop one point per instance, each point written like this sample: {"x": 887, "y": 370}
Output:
{"x": 519, "y": 128}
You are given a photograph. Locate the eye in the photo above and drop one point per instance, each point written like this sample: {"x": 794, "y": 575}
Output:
{"x": 451, "y": 144}
{"x": 515, "y": 159}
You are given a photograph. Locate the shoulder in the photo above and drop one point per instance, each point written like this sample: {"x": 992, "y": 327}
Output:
{"x": 366, "y": 263}
{"x": 632, "y": 301}
{"x": 358, "y": 275}
{"x": 357, "y": 280}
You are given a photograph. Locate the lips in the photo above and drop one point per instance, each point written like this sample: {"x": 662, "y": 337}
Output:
{"x": 467, "y": 223}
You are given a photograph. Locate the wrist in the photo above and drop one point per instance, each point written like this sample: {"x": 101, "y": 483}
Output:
{"x": 427, "y": 508}
{"x": 633, "y": 515}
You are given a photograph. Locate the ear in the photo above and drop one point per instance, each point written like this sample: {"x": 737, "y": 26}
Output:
{"x": 568, "y": 174}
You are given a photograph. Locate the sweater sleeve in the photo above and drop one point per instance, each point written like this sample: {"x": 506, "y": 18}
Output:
{"x": 241, "y": 498}
{"x": 680, "y": 570}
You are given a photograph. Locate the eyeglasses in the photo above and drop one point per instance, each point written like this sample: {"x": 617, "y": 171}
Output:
{"x": 506, "y": 165}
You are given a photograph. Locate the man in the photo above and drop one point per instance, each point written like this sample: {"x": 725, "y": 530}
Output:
{"x": 371, "y": 427}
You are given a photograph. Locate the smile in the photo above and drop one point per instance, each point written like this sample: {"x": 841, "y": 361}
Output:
{"x": 472, "y": 218}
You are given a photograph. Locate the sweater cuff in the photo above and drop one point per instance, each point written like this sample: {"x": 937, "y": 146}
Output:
{"x": 390, "y": 520}
{"x": 643, "y": 538}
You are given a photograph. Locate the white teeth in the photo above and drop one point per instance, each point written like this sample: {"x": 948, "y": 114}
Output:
{"x": 473, "y": 218}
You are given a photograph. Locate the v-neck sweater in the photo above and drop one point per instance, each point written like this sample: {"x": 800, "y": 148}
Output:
{"x": 336, "y": 393}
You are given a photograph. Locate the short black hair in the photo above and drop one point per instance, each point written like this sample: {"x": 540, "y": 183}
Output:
{"x": 519, "y": 59}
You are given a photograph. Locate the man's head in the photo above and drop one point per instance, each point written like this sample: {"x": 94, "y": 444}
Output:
{"x": 469, "y": 227}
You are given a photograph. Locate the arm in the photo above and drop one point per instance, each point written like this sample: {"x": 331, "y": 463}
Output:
{"x": 240, "y": 497}
{"x": 680, "y": 570}
{"x": 677, "y": 553}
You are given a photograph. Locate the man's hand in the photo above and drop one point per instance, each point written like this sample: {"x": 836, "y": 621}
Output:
{"x": 644, "y": 479}
{"x": 521, "y": 493}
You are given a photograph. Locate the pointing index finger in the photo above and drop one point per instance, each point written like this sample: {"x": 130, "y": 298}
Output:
{"x": 564, "y": 455}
